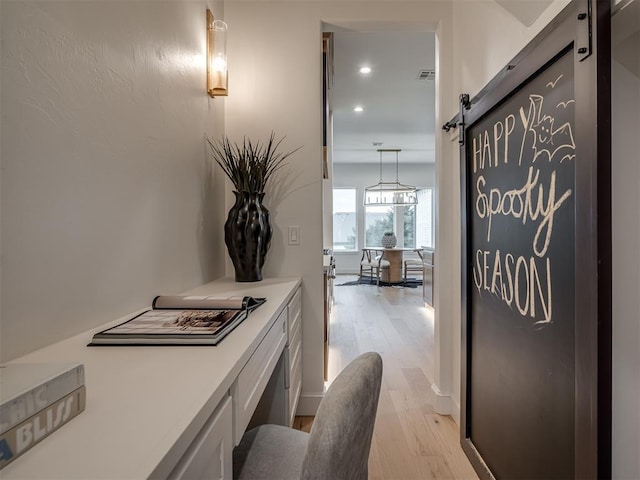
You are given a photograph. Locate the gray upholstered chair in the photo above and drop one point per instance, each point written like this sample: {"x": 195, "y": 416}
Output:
{"x": 337, "y": 447}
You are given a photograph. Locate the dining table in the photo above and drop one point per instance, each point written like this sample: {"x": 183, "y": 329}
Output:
{"x": 394, "y": 274}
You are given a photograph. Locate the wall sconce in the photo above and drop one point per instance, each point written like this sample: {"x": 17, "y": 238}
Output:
{"x": 217, "y": 74}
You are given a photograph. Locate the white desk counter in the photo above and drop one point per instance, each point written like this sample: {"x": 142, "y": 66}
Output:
{"x": 145, "y": 405}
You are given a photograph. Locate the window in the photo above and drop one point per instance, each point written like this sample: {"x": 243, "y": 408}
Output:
{"x": 377, "y": 221}
{"x": 409, "y": 226}
{"x": 412, "y": 224}
{"x": 345, "y": 229}
{"x": 424, "y": 219}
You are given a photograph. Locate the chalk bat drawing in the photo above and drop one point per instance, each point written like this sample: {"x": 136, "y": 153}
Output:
{"x": 548, "y": 141}
{"x": 565, "y": 104}
{"x": 553, "y": 84}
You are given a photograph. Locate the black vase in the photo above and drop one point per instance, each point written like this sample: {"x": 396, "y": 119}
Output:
{"x": 247, "y": 234}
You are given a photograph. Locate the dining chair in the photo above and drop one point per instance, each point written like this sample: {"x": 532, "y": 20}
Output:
{"x": 337, "y": 448}
{"x": 372, "y": 261}
{"x": 413, "y": 264}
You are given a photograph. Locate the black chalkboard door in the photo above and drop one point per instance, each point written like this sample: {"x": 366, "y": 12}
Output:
{"x": 536, "y": 259}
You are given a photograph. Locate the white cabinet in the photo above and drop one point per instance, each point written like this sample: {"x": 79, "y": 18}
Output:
{"x": 293, "y": 356}
{"x": 252, "y": 380}
{"x": 428, "y": 271}
{"x": 279, "y": 399}
{"x": 168, "y": 412}
{"x": 210, "y": 455}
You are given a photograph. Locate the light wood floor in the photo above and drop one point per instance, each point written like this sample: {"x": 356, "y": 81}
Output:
{"x": 410, "y": 440}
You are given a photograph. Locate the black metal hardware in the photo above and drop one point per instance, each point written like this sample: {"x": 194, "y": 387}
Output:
{"x": 458, "y": 120}
{"x": 583, "y": 33}
{"x": 449, "y": 125}
{"x": 465, "y": 104}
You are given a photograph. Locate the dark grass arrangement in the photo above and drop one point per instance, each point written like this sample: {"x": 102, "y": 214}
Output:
{"x": 249, "y": 164}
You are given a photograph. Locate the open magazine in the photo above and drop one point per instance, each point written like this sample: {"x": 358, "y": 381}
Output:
{"x": 181, "y": 320}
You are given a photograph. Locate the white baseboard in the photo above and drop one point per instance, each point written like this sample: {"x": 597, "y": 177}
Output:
{"x": 442, "y": 404}
{"x": 445, "y": 404}
{"x": 455, "y": 411}
{"x": 308, "y": 404}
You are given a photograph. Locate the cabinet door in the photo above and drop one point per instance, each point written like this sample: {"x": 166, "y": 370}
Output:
{"x": 295, "y": 373}
{"x": 254, "y": 377}
{"x": 295, "y": 314}
{"x": 293, "y": 356}
{"x": 210, "y": 455}
{"x": 427, "y": 282}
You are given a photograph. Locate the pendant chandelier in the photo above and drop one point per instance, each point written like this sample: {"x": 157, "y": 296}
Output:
{"x": 390, "y": 193}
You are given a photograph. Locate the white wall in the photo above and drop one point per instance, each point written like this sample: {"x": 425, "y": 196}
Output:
{"x": 487, "y": 37}
{"x": 275, "y": 60}
{"x": 107, "y": 193}
{"x": 359, "y": 176}
{"x": 626, "y": 271}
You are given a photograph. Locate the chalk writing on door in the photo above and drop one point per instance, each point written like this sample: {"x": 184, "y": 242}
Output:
{"x": 531, "y": 144}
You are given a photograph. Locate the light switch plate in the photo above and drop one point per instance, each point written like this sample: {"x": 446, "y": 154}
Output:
{"x": 294, "y": 235}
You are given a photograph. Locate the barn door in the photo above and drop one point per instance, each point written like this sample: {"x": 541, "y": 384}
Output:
{"x": 535, "y": 150}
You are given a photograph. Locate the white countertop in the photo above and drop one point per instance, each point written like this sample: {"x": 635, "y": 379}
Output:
{"x": 145, "y": 404}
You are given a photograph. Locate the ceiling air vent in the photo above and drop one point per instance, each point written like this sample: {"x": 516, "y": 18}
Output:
{"x": 426, "y": 75}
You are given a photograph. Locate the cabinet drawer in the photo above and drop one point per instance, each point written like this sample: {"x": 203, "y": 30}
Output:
{"x": 295, "y": 313}
{"x": 293, "y": 354}
{"x": 294, "y": 389}
{"x": 211, "y": 453}
{"x": 252, "y": 380}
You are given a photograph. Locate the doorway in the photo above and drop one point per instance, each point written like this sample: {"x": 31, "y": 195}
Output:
{"x": 379, "y": 91}
{"x": 380, "y": 94}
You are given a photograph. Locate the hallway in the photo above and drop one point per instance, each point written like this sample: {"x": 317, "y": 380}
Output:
{"x": 410, "y": 440}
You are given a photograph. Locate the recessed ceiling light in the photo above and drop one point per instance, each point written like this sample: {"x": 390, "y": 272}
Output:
{"x": 365, "y": 70}
{"x": 358, "y": 109}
